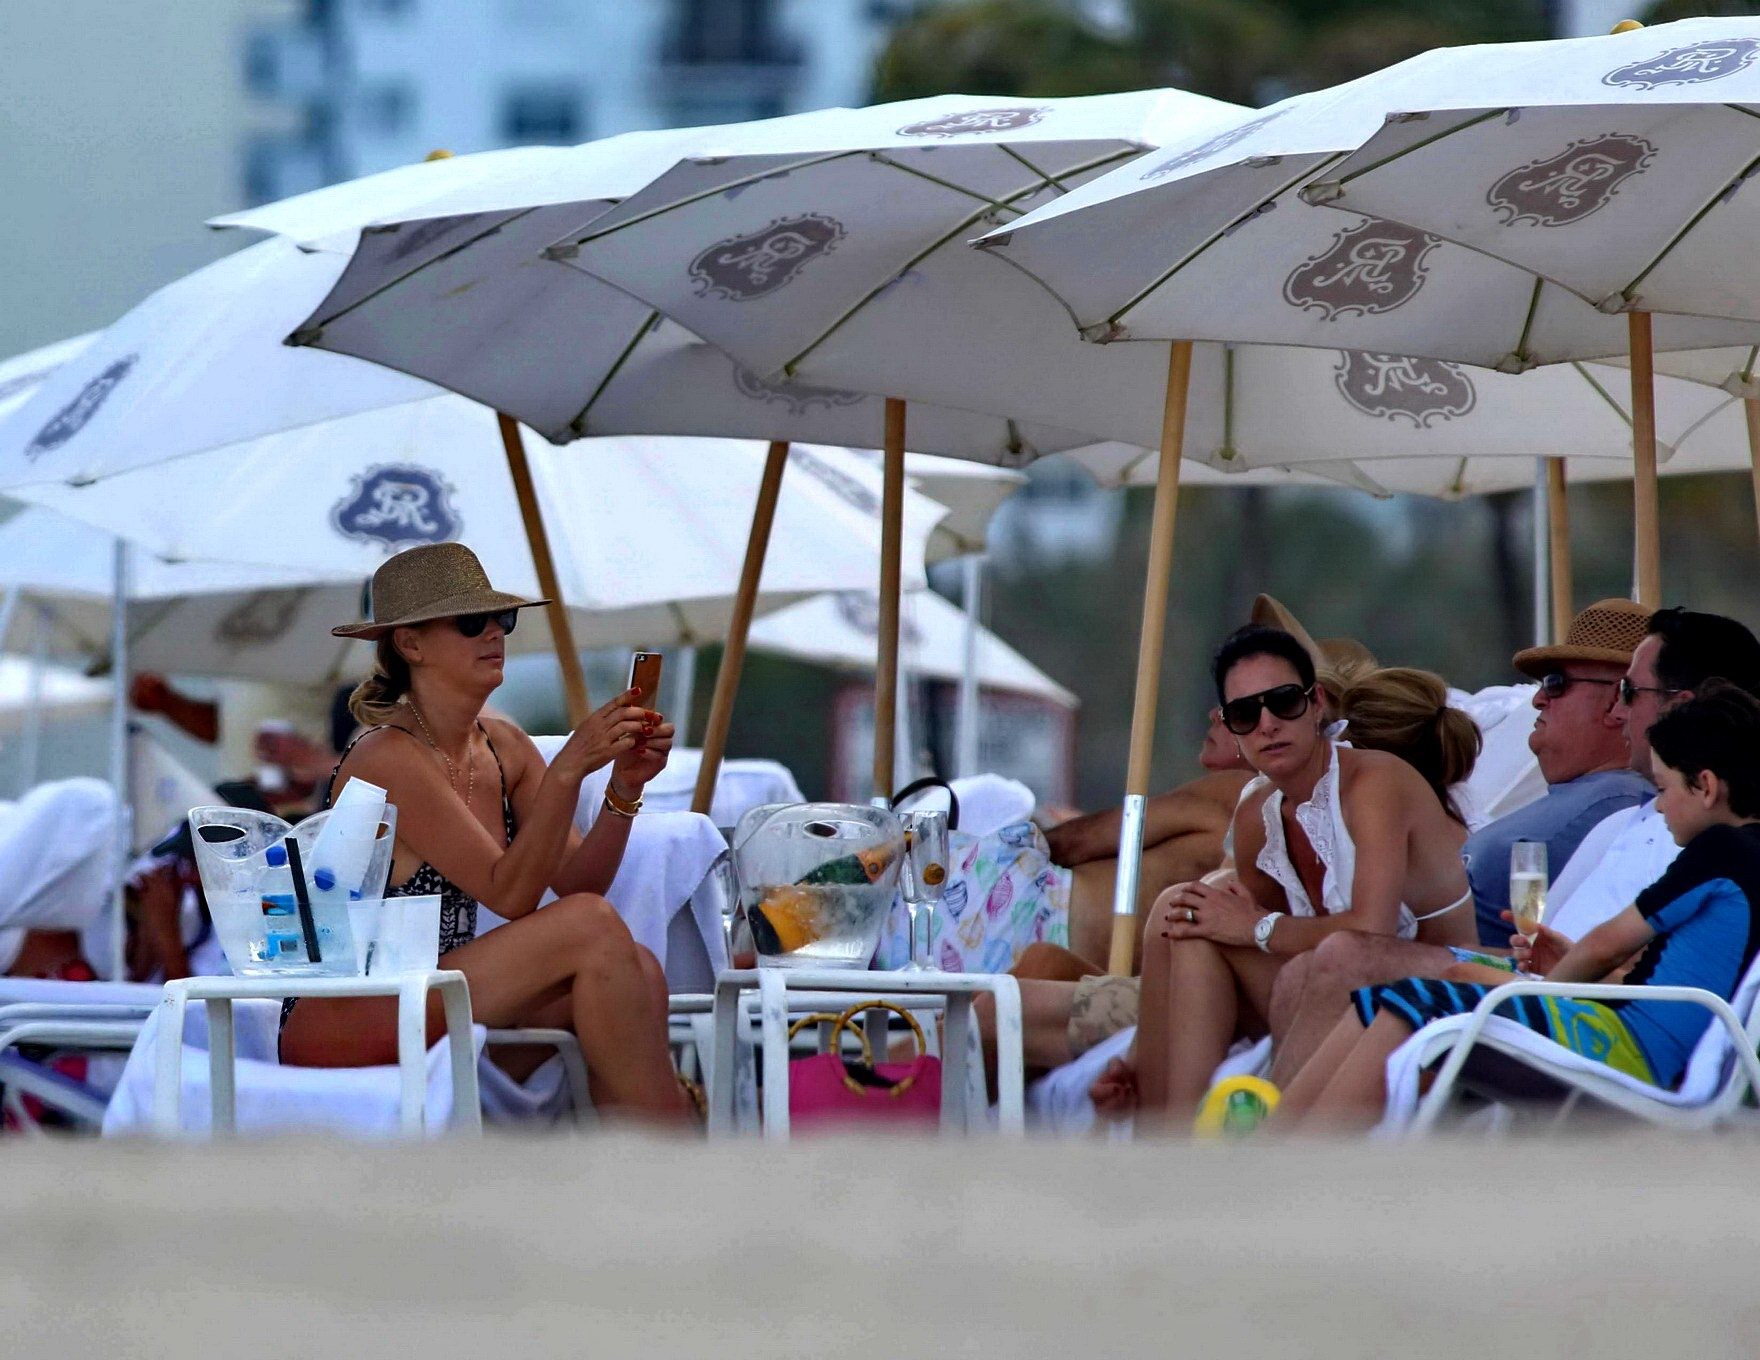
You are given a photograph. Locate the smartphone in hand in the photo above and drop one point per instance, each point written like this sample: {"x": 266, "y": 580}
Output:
{"x": 644, "y": 677}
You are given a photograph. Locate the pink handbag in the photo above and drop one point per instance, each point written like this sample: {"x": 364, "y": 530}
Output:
{"x": 824, "y": 1091}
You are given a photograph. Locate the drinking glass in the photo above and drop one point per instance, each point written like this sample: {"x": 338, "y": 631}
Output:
{"x": 722, "y": 884}
{"x": 925, "y": 873}
{"x": 1527, "y": 886}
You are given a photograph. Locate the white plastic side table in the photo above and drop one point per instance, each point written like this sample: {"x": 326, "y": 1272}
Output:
{"x": 957, "y": 991}
{"x": 411, "y": 991}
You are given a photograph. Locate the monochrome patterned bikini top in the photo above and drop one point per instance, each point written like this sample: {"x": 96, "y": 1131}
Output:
{"x": 458, "y": 909}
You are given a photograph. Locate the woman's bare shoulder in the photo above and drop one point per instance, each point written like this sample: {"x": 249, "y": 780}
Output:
{"x": 518, "y": 752}
{"x": 387, "y": 746}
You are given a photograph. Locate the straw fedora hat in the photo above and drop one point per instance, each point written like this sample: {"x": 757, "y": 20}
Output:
{"x": 1338, "y": 654}
{"x": 1608, "y": 630}
{"x": 434, "y": 581}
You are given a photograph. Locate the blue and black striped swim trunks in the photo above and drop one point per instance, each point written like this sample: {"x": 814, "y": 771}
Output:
{"x": 1586, "y": 1027}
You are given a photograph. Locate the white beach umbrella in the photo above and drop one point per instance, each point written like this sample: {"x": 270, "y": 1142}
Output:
{"x": 650, "y": 555}
{"x": 200, "y": 366}
{"x": 792, "y": 254}
{"x": 842, "y": 630}
{"x": 1613, "y": 166}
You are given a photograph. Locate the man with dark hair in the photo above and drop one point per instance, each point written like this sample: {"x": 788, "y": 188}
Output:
{"x": 1681, "y": 650}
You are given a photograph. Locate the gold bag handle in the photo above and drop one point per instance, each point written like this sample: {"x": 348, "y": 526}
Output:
{"x": 839, "y": 1023}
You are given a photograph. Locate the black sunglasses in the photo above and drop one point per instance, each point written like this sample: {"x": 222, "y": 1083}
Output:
{"x": 1628, "y": 692}
{"x": 1287, "y": 702}
{"x": 1555, "y": 683}
{"x": 472, "y": 625}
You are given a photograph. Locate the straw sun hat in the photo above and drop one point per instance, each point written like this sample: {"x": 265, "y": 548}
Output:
{"x": 1345, "y": 655}
{"x": 1608, "y": 630}
{"x": 434, "y": 581}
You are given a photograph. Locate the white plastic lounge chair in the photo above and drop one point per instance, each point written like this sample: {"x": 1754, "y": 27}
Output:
{"x": 1511, "y": 1062}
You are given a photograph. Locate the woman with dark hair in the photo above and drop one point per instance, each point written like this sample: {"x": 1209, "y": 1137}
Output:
{"x": 1338, "y": 838}
{"x": 482, "y": 819}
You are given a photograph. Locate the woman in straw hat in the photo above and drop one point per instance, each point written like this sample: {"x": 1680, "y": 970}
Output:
{"x": 481, "y": 818}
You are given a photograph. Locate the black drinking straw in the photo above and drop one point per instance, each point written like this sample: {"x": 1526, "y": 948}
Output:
{"x": 303, "y": 900}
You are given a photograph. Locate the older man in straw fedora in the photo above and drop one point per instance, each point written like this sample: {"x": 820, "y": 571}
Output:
{"x": 1669, "y": 654}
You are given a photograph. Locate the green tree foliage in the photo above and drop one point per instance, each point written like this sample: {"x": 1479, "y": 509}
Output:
{"x": 1667, "y": 11}
{"x": 1243, "y": 50}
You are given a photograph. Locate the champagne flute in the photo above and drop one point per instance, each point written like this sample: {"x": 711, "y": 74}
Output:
{"x": 722, "y": 883}
{"x": 1527, "y": 887}
{"x": 925, "y": 874}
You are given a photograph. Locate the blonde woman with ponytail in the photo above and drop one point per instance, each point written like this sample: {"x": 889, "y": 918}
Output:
{"x": 1405, "y": 712}
{"x": 482, "y": 819}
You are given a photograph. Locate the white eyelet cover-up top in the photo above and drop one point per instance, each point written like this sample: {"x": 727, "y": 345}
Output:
{"x": 1322, "y": 821}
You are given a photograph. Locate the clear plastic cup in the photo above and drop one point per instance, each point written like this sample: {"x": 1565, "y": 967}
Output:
{"x": 409, "y": 937}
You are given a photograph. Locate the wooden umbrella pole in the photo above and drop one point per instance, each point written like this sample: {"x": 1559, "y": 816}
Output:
{"x": 1751, "y": 409}
{"x": 574, "y": 680}
{"x": 1646, "y": 517}
{"x": 891, "y": 571}
{"x": 1149, "y": 648}
{"x": 1560, "y": 545}
{"x": 733, "y": 654}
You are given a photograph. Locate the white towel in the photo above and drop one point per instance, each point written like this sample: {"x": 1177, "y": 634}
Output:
{"x": 363, "y": 1102}
{"x": 1058, "y": 1102}
{"x": 1706, "y": 1072}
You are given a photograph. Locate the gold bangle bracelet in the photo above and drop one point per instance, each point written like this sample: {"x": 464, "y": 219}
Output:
{"x": 623, "y": 807}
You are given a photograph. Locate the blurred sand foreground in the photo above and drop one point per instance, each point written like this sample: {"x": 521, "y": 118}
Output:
{"x": 616, "y": 1245}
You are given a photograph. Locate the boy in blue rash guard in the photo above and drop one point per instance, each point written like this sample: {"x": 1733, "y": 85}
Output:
{"x": 1696, "y": 926}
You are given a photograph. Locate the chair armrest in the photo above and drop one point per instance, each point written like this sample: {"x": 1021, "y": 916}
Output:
{"x": 1460, "y": 1046}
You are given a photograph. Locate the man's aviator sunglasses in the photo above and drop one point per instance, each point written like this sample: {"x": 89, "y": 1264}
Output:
{"x": 1286, "y": 702}
{"x": 472, "y": 625}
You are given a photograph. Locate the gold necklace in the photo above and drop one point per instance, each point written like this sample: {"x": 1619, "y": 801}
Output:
{"x": 470, "y": 783}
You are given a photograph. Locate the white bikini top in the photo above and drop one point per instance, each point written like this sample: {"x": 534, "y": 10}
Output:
{"x": 1322, "y": 821}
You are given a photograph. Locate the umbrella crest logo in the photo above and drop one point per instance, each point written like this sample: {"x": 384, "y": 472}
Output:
{"x": 861, "y": 611}
{"x": 1571, "y": 185}
{"x": 1397, "y": 387}
{"x": 1204, "y": 150}
{"x": 1368, "y": 269}
{"x": 750, "y": 266}
{"x": 73, "y": 417}
{"x": 1688, "y": 65}
{"x": 836, "y": 481}
{"x": 975, "y": 121}
{"x": 796, "y": 397}
{"x": 263, "y": 618}
{"x": 398, "y": 505}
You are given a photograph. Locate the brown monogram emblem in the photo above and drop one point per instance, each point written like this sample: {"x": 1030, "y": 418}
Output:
{"x": 1204, "y": 150}
{"x": 1368, "y": 269}
{"x": 796, "y": 397}
{"x": 1395, "y": 387}
{"x": 1572, "y": 185}
{"x": 263, "y": 617}
{"x": 1688, "y": 65}
{"x": 745, "y": 267}
{"x": 975, "y": 120}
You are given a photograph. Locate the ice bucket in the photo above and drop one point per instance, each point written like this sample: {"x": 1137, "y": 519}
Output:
{"x": 816, "y": 881}
{"x": 247, "y": 877}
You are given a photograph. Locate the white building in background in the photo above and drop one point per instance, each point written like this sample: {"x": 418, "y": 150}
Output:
{"x": 372, "y": 84}
{"x": 121, "y": 126}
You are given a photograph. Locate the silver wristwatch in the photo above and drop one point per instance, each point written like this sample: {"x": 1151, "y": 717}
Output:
{"x": 1262, "y": 931}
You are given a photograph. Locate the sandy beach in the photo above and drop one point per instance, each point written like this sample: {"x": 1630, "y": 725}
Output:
{"x": 617, "y": 1245}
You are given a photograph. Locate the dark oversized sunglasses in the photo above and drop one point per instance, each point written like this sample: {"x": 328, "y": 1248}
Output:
{"x": 472, "y": 625}
{"x": 1286, "y": 702}
{"x": 1555, "y": 683}
{"x": 1628, "y": 692}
